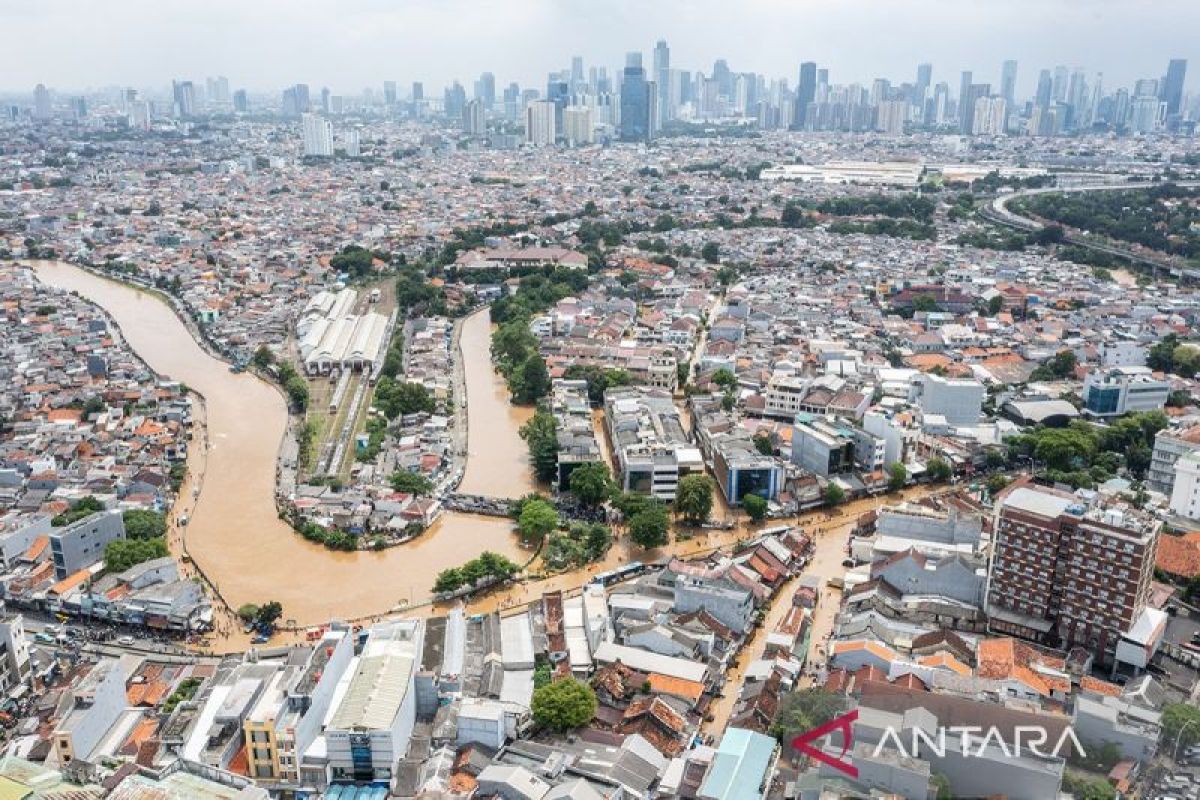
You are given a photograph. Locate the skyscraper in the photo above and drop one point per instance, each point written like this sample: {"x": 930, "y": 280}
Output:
{"x": 806, "y": 91}
{"x": 921, "y": 90}
{"x": 539, "y": 123}
{"x": 1008, "y": 82}
{"x": 635, "y": 101}
{"x": 1045, "y": 89}
{"x": 185, "y": 98}
{"x": 558, "y": 91}
{"x": 966, "y": 109}
{"x": 485, "y": 90}
{"x": 579, "y": 125}
{"x": 662, "y": 78}
{"x": 1172, "y": 85}
{"x": 418, "y": 91}
{"x": 241, "y": 104}
{"x": 318, "y": 135}
{"x": 41, "y": 102}
{"x": 389, "y": 93}
{"x": 473, "y": 118}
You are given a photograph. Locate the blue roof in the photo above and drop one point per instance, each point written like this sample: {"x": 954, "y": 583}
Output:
{"x": 739, "y": 768}
{"x": 356, "y": 792}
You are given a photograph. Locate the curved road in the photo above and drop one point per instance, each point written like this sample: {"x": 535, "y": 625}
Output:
{"x": 997, "y": 211}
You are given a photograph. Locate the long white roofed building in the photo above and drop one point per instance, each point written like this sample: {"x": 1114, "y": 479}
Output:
{"x": 332, "y": 336}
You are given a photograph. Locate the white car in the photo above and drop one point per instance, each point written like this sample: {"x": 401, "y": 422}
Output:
{"x": 125, "y": 641}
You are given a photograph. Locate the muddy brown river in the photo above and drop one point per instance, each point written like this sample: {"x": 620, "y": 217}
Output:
{"x": 234, "y": 534}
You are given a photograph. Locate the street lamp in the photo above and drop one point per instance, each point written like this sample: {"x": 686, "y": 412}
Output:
{"x": 1178, "y": 737}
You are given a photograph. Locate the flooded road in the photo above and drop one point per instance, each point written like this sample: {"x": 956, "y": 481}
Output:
{"x": 235, "y": 536}
{"x": 497, "y": 459}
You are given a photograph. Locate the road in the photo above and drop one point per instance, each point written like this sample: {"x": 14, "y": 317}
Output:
{"x": 830, "y": 540}
{"x": 997, "y": 211}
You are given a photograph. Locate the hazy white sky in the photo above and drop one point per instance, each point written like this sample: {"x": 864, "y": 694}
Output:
{"x": 349, "y": 45}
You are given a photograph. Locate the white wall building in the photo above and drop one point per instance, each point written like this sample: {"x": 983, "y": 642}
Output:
{"x": 959, "y": 401}
{"x": 539, "y": 123}
{"x": 1185, "y": 495}
{"x": 579, "y": 126}
{"x": 318, "y": 135}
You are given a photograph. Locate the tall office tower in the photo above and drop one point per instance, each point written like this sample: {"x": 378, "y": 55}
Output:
{"x": 806, "y": 91}
{"x": 1008, "y": 82}
{"x": 1145, "y": 87}
{"x": 326, "y": 103}
{"x": 1045, "y": 89}
{"x": 241, "y": 103}
{"x": 1119, "y": 116}
{"x": 1059, "y": 94}
{"x": 990, "y": 116}
{"x": 185, "y": 98}
{"x": 636, "y": 120}
{"x": 1091, "y": 104}
{"x": 539, "y": 123}
{"x": 921, "y": 89}
{"x": 891, "y": 116}
{"x": 41, "y": 102}
{"x": 353, "y": 144}
{"x": 485, "y": 90}
{"x": 389, "y": 93}
{"x": 1172, "y": 85}
{"x": 318, "y": 135}
{"x": 473, "y": 117}
{"x": 218, "y": 91}
{"x": 941, "y": 102}
{"x": 78, "y": 107}
{"x": 723, "y": 77}
{"x": 822, "y": 78}
{"x": 453, "y": 100}
{"x": 558, "y": 91}
{"x": 1065, "y": 575}
{"x": 139, "y": 115}
{"x": 579, "y": 126}
{"x": 662, "y": 79}
{"x": 418, "y": 91}
{"x": 512, "y": 101}
{"x": 577, "y": 82}
{"x": 1145, "y": 115}
{"x": 1076, "y": 95}
{"x": 965, "y": 110}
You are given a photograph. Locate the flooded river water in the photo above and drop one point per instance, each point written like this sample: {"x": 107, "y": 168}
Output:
{"x": 235, "y": 535}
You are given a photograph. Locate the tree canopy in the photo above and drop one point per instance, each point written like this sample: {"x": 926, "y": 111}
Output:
{"x": 649, "y": 526}
{"x": 591, "y": 483}
{"x": 694, "y": 497}
{"x": 540, "y": 433}
{"x": 538, "y": 518}
{"x": 563, "y": 705}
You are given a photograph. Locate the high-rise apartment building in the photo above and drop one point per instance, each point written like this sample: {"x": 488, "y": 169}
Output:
{"x": 662, "y": 79}
{"x": 1172, "y": 85}
{"x": 579, "y": 125}
{"x": 41, "y": 102}
{"x": 539, "y": 123}
{"x": 473, "y": 121}
{"x": 185, "y": 98}
{"x": 990, "y": 116}
{"x": 892, "y": 115}
{"x": 1066, "y": 575}
{"x": 318, "y": 135}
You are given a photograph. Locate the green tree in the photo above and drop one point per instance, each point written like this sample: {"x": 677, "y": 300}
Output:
{"x": 834, "y": 494}
{"x": 540, "y": 433}
{"x": 396, "y": 398}
{"x": 563, "y": 705}
{"x": 268, "y": 614}
{"x": 804, "y": 710}
{"x": 996, "y": 483}
{"x": 724, "y": 378}
{"x": 995, "y": 305}
{"x": 533, "y": 381}
{"x": 538, "y": 518}
{"x": 897, "y": 476}
{"x": 941, "y": 786}
{"x": 1174, "y": 717}
{"x": 121, "y": 554}
{"x": 448, "y": 580}
{"x": 939, "y": 469}
{"x": 694, "y": 497}
{"x": 263, "y": 357}
{"x": 142, "y": 523}
{"x": 591, "y": 483}
{"x": 411, "y": 483}
{"x": 247, "y": 612}
{"x": 711, "y": 252}
{"x": 763, "y": 444}
{"x": 648, "y": 527}
{"x": 755, "y": 507}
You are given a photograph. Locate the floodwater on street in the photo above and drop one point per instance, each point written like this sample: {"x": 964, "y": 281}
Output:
{"x": 234, "y": 534}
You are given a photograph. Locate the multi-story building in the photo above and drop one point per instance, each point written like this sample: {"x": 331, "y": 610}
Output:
{"x": 576, "y": 437}
{"x": 97, "y": 702}
{"x": 1121, "y": 390}
{"x": 14, "y": 653}
{"x": 1169, "y": 445}
{"x": 958, "y": 400}
{"x": 318, "y": 136}
{"x": 579, "y": 125}
{"x": 81, "y": 544}
{"x": 651, "y": 449}
{"x": 539, "y": 123}
{"x": 372, "y": 722}
{"x": 826, "y": 447}
{"x": 1185, "y": 493}
{"x": 1065, "y": 575}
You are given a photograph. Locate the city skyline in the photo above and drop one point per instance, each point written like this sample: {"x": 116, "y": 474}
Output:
{"x": 261, "y": 48}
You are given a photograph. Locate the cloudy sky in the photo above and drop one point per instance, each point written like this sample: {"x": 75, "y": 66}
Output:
{"x": 352, "y": 44}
